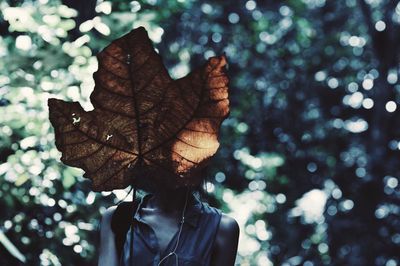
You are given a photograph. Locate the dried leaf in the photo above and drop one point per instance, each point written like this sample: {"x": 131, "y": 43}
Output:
{"x": 144, "y": 125}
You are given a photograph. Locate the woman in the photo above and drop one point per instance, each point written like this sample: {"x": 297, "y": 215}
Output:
{"x": 171, "y": 227}
{"x": 147, "y": 126}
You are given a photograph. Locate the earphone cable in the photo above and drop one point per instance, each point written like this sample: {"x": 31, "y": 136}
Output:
{"x": 179, "y": 234}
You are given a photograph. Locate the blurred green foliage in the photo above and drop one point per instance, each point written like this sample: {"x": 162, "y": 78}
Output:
{"x": 309, "y": 156}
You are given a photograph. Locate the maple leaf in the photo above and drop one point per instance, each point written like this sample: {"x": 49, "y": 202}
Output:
{"x": 144, "y": 124}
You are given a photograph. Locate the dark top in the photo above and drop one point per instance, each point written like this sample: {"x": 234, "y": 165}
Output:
{"x": 195, "y": 245}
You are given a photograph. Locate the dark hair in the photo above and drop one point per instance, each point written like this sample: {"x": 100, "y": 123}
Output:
{"x": 146, "y": 185}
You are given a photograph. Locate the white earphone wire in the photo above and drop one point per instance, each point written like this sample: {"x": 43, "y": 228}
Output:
{"x": 173, "y": 252}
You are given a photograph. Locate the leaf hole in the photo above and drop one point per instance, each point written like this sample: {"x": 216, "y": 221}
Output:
{"x": 75, "y": 120}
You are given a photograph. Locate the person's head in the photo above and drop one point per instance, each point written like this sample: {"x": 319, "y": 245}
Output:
{"x": 164, "y": 190}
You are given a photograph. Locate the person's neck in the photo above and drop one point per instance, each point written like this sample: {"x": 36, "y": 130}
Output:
{"x": 168, "y": 201}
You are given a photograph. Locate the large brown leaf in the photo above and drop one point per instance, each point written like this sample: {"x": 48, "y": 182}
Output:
{"x": 144, "y": 124}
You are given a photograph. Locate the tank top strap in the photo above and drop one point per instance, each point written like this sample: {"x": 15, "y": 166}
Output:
{"x": 206, "y": 232}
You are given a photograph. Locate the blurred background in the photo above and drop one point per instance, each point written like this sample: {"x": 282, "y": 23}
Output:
{"x": 309, "y": 157}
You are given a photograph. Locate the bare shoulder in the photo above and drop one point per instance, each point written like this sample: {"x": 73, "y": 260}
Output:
{"x": 226, "y": 242}
{"x": 107, "y": 215}
{"x": 105, "y": 225}
{"x": 228, "y": 228}
{"x": 107, "y": 251}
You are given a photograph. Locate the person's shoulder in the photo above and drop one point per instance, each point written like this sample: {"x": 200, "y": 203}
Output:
{"x": 107, "y": 215}
{"x": 228, "y": 227}
{"x": 107, "y": 251}
{"x": 106, "y": 219}
{"x": 226, "y": 242}
{"x": 227, "y": 224}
